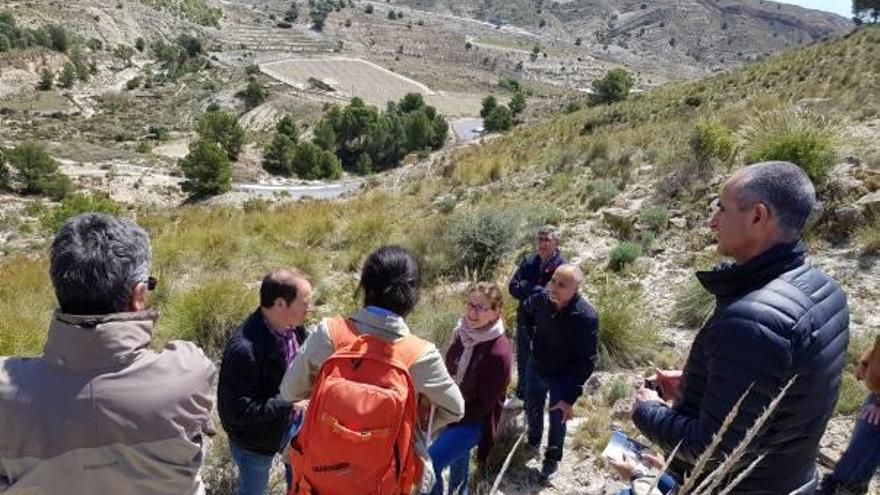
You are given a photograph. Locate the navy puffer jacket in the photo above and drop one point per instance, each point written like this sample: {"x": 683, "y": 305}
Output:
{"x": 776, "y": 316}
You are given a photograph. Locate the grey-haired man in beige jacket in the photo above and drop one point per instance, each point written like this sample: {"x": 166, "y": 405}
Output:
{"x": 99, "y": 412}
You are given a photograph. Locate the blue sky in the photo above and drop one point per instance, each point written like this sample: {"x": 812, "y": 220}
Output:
{"x": 840, "y": 7}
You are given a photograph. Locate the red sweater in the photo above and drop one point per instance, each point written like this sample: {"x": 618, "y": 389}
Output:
{"x": 484, "y": 386}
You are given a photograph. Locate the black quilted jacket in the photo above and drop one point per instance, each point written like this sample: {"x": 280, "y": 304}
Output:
{"x": 776, "y": 316}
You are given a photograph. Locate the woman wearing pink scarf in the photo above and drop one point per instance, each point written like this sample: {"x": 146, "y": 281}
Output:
{"x": 479, "y": 359}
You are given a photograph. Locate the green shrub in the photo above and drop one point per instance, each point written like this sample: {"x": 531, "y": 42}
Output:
{"x": 482, "y": 238}
{"x": 593, "y": 433}
{"x": 310, "y": 162}
{"x": 157, "y": 132}
{"x": 646, "y": 240}
{"x": 78, "y": 203}
{"x": 489, "y": 104}
{"x": 287, "y": 126}
{"x": 222, "y": 128}
{"x": 623, "y": 254}
{"x": 68, "y": 76}
{"x": 713, "y": 140}
{"x": 499, "y": 119}
{"x": 868, "y": 238}
{"x": 357, "y": 129}
{"x": 429, "y": 242}
{"x": 615, "y": 86}
{"x": 279, "y": 155}
{"x": 80, "y": 62}
{"x": 510, "y": 84}
{"x": 573, "y": 107}
{"x": 656, "y": 218}
{"x": 124, "y": 53}
{"x": 693, "y": 305}
{"x": 4, "y": 172}
{"x": 618, "y": 389}
{"x": 207, "y": 313}
{"x": 435, "y": 318}
{"x": 601, "y": 192}
{"x": 318, "y": 11}
{"x": 253, "y": 95}
{"x": 206, "y": 168}
{"x": 59, "y": 36}
{"x": 47, "y": 80}
{"x": 134, "y": 83}
{"x": 36, "y": 172}
{"x": 600, "y": 118}
{"x": 693, "y": 100}
{"x": 517, "y": 103}
{"x": 804, "y": 139}
{"x": 198, "y": 11}
{"x": 627, "y": 333}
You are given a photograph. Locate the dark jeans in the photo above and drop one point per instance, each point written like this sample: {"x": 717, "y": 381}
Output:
{"x": 859, "y": 462}
{"x": 523, "y": 355}
{"x": 537, "y": 390}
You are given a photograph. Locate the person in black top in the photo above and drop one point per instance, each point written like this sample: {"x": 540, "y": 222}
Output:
{"x": 778, "y": 320}
{"x": 253, "y": 413}
{"x": 530, "y": 278}
{"x": 565, "y": 331}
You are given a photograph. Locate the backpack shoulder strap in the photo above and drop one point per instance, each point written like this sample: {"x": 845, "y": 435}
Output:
{"x": 408, "y": 348}
{"x": 342, "y": 331}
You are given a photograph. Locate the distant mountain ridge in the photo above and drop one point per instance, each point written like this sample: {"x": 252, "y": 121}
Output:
{"x": 694, "y": 36}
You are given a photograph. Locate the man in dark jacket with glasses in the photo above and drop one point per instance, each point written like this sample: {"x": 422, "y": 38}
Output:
{"x": 254, "y": 415}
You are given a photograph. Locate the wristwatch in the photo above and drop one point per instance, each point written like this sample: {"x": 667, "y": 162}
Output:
{"x": 637, "y": 473}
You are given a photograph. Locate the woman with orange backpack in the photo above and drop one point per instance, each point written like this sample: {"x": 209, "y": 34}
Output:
{"x": 363, "y": 376}
{"x": 479, "y": 359}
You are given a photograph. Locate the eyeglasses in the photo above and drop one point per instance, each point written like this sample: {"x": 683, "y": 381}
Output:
{"x": 476, "y": 307}
{"x": 152, "y": 282}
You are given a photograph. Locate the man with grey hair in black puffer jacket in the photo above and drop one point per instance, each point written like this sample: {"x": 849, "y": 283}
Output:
{"x": 777, "y": 317}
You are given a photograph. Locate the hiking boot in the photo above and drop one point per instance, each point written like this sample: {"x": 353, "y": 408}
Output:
{"x": 828, "y": 486}
{"x": 548, "y": 469}
{"x": 831, "y": 486}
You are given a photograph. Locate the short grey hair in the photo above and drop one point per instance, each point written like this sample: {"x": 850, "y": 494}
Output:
{"x": 784, "y": 188}
{"x": 550, "y": 231}
{"x": 95, "y": 261}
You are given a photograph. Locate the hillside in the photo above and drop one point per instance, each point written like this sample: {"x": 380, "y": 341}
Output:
{"x": 631, "y": 184}
{"x": 694, "y": 36}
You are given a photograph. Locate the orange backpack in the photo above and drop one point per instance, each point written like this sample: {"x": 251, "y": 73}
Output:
{"x": 360, "y": 426}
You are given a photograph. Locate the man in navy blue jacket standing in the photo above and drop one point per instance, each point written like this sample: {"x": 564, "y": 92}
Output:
{"x": 564, "y": 330}
{"x": 777, "y": 317}
{"x": 533, "y": 274}
{"x": 253, "y": 413}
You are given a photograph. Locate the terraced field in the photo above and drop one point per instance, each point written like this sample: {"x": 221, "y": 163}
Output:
{"x": 349, "y": 77}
